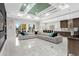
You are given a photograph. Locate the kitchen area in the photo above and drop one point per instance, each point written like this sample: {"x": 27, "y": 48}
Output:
{"x": 72, "y": 34}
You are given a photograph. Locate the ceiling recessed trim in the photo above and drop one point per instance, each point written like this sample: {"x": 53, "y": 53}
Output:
{"x": 38, "y": 8}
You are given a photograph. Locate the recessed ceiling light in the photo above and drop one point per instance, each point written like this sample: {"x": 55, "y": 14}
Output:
{"x": 19, "y": 14}
{"x": 28, "y": 16}
{"x": 47, "y": 14}
{"x": 25, "y": 4}
{"x": 63, "y": 6}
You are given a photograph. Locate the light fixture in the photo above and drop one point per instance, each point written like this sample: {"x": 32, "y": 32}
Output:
{"x": 20, "y": 14}
{"x": 47, "y": 14}
{"x": 63, "y": 6}
{"x": 25, "y": 4}
{"x": 28, "y": 16}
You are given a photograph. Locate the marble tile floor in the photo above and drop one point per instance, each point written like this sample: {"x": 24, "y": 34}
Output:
{"x": 39, "y": 47}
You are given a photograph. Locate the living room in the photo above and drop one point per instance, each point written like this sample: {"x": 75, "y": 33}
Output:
{"x": 44, "y": 29}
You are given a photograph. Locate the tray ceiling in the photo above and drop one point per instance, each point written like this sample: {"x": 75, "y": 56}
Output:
{"x": 53, "y": 10}
{"x": 38, "y": 8}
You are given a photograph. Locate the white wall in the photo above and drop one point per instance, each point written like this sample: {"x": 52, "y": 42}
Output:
{"x": 47, "y": 26}
{"x": 9, "y": 45}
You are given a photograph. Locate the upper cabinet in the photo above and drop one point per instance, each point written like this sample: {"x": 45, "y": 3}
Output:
{"x": 64, "y": 24}
{"x": 76, "y": 22}
{"x": 72, "y": 23}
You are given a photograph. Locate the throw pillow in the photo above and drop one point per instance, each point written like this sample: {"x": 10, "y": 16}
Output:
{"x": 54, "y": 34}
{"x": 50, "y": 34}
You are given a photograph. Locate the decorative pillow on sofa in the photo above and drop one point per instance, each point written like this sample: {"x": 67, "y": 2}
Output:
{"x": 24, "y": 33}
{"x": 50, "y": 34}
{"x": 54, "y": 34}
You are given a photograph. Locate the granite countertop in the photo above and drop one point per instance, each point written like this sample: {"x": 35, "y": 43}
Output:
{"x": 63, "y": 31}
{"x": 74, "y": 38}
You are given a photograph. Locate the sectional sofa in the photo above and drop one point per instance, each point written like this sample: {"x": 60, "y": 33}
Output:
{"x": 43, "y": 36}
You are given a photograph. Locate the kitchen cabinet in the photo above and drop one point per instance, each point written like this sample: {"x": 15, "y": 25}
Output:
{"x": 64, "y": 24}
{"x": 73, "y": 46}
{"x": 76, "y": 22}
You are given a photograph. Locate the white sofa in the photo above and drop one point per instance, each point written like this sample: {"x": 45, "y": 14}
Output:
{"x": 25, "y": 37}
{"x": 45, "y": 37}
{"x": 55, "y": 40}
